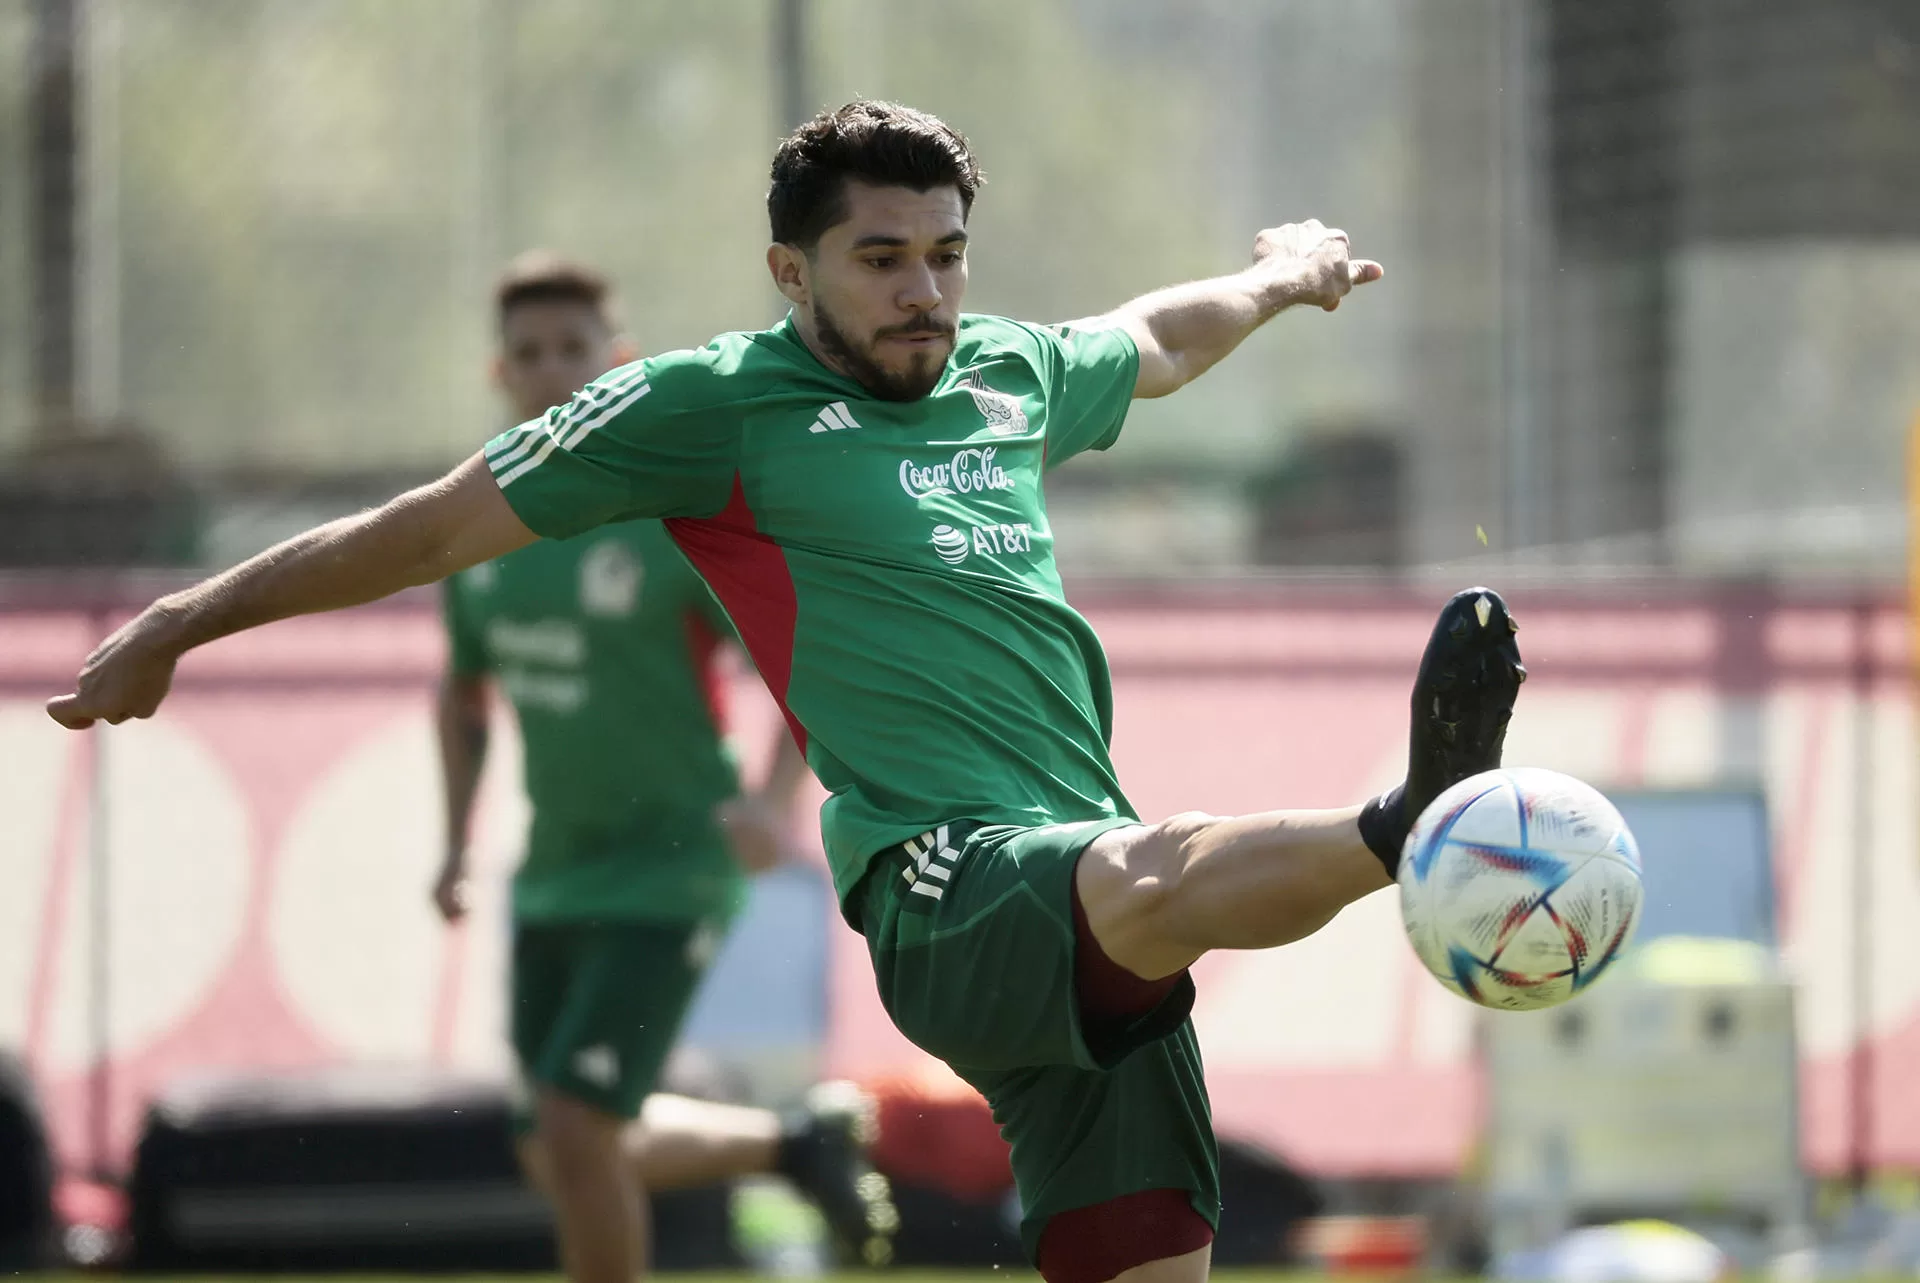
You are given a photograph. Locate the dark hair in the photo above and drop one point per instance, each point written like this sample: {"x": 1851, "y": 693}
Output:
{"x": 881, "y": 143}
{"x": 541, "y": 276}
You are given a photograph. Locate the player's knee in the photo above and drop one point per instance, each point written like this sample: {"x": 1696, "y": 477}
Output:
{"x": 1178, "y": 833}
{"x": 1129, "y": 884}
{"x": 1140, "y": 872}
{"x": 532, "y": 1156}
{"x": 576, "y": 1140}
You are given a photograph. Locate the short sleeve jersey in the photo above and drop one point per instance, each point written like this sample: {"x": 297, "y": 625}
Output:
{"x": 888, "y": 565}
{"x": 605, "y": 645}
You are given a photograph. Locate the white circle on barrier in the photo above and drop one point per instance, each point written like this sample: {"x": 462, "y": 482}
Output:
{"x": 352, "y": 929}
{"x": 179, "y": 872}
{"x": 1330, "y": 1001}
{"x": 39, "y": 757}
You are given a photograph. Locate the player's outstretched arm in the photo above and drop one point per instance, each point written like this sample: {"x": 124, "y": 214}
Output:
{"x": 424, "y": 535}
{"x": 462, "y": 720}
{"x": 1184, "y": 330}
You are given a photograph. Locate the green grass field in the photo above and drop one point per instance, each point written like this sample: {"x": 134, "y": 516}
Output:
{"x": 901, "y": 1276}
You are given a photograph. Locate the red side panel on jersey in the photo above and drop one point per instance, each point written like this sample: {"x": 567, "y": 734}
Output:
{"x": 748, "y": 572}
{"x": 703, "y": 652}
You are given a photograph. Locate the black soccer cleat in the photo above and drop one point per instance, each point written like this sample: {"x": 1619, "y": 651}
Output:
{"x": 1462, "y": 701}
{"x": 824, "y": 1154}
{"x": 1463, "y": 697}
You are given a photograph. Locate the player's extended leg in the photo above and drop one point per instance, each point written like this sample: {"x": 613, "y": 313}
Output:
{"x": 1159, "y": 896}
{"x": 986, "y": 954}
{"x": 680, "y": 1142}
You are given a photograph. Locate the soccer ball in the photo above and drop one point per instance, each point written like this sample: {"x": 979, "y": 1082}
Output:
{"x": 1519, "y": 886}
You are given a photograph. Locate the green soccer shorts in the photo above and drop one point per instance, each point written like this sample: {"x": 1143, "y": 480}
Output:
{"x": 972, "y": 938}
{"x": 597, "y": 1005}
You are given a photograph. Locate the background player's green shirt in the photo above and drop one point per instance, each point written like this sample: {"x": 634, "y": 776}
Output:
{"x": 605, "y": 644}
{"x": 888, "y": 564}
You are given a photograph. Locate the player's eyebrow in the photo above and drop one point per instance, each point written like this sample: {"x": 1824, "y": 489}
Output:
{"x": 879, "y": 241}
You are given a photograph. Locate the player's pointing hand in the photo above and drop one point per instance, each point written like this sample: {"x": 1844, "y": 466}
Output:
{"x": 127, "y": 675}
{"x": 1317, "y": 259}
{"x": 452, "y": 894}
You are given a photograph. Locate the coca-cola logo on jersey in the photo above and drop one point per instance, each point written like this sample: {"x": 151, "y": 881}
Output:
{"x": 969, "y": 471}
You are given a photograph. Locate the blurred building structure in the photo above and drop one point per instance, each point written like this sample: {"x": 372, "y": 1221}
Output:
{"x": 1651, "y": 263}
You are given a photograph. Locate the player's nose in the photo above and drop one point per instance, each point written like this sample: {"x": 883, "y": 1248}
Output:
{"x": 919, "y": 290}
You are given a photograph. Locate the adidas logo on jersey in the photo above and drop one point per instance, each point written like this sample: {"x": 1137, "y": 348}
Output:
{"x": 834, "y": 418}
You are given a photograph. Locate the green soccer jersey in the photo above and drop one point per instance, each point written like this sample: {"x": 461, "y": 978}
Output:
{"x": 605, "y": 644}
{"x": 888, "y": 565}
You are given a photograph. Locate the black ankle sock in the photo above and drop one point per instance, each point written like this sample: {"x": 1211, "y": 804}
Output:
{"x": 1384, "y": 825}
{"x": 788, "y": 1154}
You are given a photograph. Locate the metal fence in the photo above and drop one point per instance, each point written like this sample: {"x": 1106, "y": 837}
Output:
{"x": 1651, "y": 262}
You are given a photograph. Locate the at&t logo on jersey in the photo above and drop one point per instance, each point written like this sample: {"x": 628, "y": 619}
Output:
{"x": 953, "y": 545}
{"x": 950, "y": 544}
{"x": 968, "y": 472}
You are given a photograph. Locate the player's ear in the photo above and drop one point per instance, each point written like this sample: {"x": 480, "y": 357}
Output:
{"x": 624, "y": 349}
{"x": 789, "y": 268}
{"x": 497, "y": 371}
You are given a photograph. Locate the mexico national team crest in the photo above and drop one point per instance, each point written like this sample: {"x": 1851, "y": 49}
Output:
{"x": 1003, "y": 413}
{"x": 609, "y": 580}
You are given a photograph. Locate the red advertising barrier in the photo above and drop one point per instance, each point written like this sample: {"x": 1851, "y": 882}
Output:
{"x": 263, "y": 848}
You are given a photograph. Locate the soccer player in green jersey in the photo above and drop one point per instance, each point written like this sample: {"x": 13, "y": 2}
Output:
{"x": 862, "y": 488}
{"x": 641, "y": 838}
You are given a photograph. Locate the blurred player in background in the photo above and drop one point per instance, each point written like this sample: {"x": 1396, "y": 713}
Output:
{"x": 641, "y": 840}
{"x": 862, "y": 487}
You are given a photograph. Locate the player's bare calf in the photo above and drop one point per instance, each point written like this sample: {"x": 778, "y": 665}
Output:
{"x": 1159, "y": 896}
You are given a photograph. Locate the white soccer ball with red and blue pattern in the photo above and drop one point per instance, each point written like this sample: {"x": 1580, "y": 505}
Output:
{"x": 1519, "y": 887}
